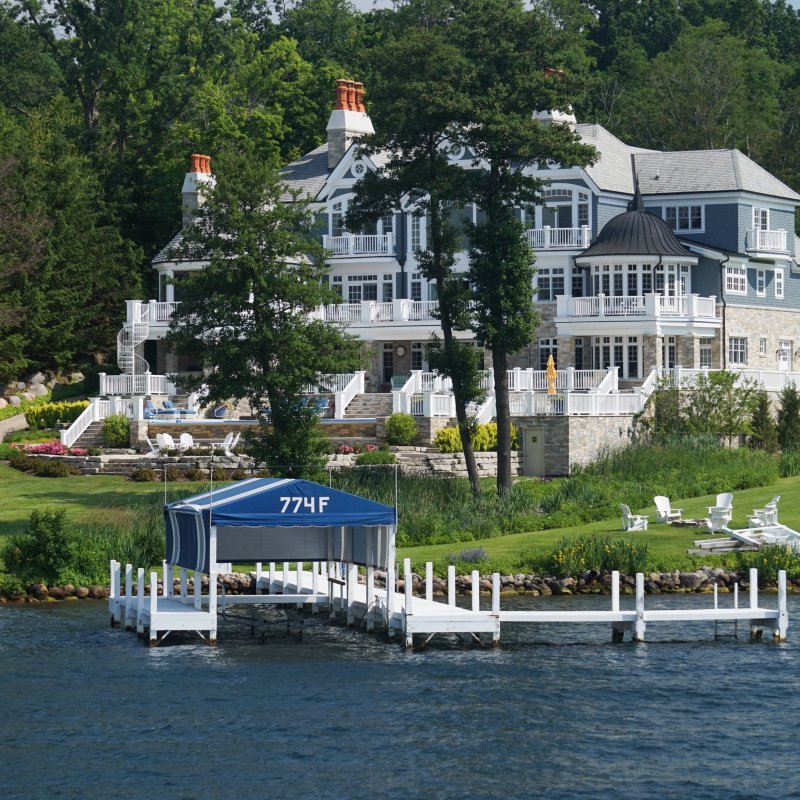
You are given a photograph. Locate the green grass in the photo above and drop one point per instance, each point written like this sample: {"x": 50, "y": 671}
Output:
{"x": 85, "y": 498}
{"x": 667, "y": 545}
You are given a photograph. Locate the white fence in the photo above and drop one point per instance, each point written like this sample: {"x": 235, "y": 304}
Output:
{"x": 772, "y": 380}
{"x": 98, "y": 410}
{"x": 359, "y": 244}
{"x": 650, "y": 306}
{"x": 546, "y": 238}
{"x": 144, "y": 384}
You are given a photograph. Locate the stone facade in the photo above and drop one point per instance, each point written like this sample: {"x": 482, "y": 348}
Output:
{"x": 772, "y": 324}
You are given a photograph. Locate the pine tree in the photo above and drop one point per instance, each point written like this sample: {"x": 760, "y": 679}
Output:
{"x": 789, "y": 419}
{"x": 764, "y": 434}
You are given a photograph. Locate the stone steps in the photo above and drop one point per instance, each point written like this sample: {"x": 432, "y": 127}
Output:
{"x": 370, "y": 404}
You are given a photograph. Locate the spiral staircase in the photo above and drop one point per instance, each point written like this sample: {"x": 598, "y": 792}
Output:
{"x": 133, "y": 333}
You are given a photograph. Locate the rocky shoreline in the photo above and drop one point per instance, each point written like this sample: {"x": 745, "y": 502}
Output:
{"x": 699, "y": 581}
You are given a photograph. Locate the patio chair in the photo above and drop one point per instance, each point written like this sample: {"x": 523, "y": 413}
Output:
{"x": 665, "y": 512}
{"x": 169, "y": 442}
{"x": 219, "y": 412}
{"x": 155, "y": 449}
{"x": 167, "y": 409}
{"x": 187, "y": 442}
{"x": 321, "y": 406}
{"x": 632, "y": 522}
{"x": 161, "y": 442}
{"x": 226, "y": 444}
{"x": 721, "y": 514}
{"x": 150, "y": 411}
{"x": 768, "y": 515}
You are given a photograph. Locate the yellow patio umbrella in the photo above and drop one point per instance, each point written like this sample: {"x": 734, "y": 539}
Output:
{"x": 550, "y": 374}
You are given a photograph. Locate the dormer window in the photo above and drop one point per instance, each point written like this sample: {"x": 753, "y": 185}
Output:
{"x": 684, "y": 218}
{"x": 337, "y": 220}
{"x": 562, "y": 207}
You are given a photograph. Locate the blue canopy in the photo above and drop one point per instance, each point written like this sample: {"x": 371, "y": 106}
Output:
{"x": 270, "y": 503}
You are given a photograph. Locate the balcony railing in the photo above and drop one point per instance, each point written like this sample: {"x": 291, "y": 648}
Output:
{"x": 357, "y": 244}
{"x": 548, "y": 238}
{"x": 369, "y": 311}
{"x": 766, "y": 241}
{"x": 647, "y": 306}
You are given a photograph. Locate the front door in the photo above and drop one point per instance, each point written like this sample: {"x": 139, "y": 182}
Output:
{"x": 784, "y": 355}
{"x": 533, "y": 452}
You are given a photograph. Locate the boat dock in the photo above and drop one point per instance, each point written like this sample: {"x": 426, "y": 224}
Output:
{"x": 355, "y": 600}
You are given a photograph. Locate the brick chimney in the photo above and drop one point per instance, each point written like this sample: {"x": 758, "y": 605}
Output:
{"x": 348, "y": 120}
{"x": 198, "y": 176}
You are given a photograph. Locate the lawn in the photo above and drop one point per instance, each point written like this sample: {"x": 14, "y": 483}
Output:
{"x": 664, "y": 542}
{"x": 86, "y": 498}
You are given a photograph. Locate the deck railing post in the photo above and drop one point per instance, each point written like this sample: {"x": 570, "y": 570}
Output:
{"x": 755, "y": 629}
{"x": 198, "y": 589}
{"x": 639, "y": 607}
{"x": 113, "y": 596}
{"x": 370, "y": 598}
{"x": 451, "y": 585}
{"x": 615, "y": 590}
{"x": 300, "y": 580}
{"x": 184, "y": 585}
{"x": 140, "y": 601}
{"x": 166, "y": 579}
{"x": 496, "y": 608}
{"x": 129, "y": 613}
{"x": 429, "y": 581}
{"x": 476, "y": 590}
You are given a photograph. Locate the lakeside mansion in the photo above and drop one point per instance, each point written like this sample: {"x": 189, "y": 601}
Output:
{"x": 645, "y": 261}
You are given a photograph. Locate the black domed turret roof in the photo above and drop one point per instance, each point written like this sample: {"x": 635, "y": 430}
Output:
{"x": 636, "y": 233}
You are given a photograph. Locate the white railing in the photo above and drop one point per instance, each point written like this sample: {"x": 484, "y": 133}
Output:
{"x": 381, "y": 312}
{"x": 529, "y": 404}
{"x": 772, "y": 380}
{"x": 144, "y": 384}
{"x": 152, "y": 311}
{"x": 650, "y": 306}
{"x": 96, "y": 411}
{"x": 535, "y": 380}
{"x": 359, "y": 244}
{"x": 766, "y": 241}
{"x": 548, "y": 238}
{"x": 422, "y": 309}
{"x": 344, "y": 395}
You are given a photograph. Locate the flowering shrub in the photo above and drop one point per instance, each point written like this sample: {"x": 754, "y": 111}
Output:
{"x": 357, "y": 447}
{"x": 51, "y": 449}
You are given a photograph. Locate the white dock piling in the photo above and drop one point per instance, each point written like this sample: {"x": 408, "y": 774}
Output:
{"x": 476, "y": 590}
{"x": 352, "y": 582}
{"x": 153, "y": 637}
{"x": 130, "y": 612}
{"x": 166, "y": 578}
{"x": 451, "y": 585}
{"x": 429, "y": 581}
{"x": 779, "y": 633}
{"x": 639, "y": 607}
{"x": 259, "y": 576}
{"x": 496, "y": 607}
{"x": 140, "y": 601}
{"x": 184, "y": 585}
{"x": 755, "y": 629}
{"x": 270, "y": 588}
{"x": 408, "y": 602}
{"x": 370, "y": 599}
{"x": 113, "y": 595}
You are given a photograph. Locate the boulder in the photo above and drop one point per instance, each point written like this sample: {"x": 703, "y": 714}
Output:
{"x": 57, "y": 593}
{"x": 98, "y": 592}
{"x": 37, "y": 378}
{"x": 69, "y": 589}
{"x": 76, "y": 377}
{"x": 28, "y": 396}
{"x": 691, "y": 580}
{"x": 3, "y": 402}
{"x": 81, "y": 593}
{"x": 39, "y": 390}
{"x": 14, "y": 400}
{"x": 39, "y": 591}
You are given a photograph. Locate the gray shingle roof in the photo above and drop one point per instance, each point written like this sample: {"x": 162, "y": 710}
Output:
{"x": 612, "y": 172}
{"x": 308, "y": 174}
{"x": 166, "y": 254}
{"x": 706, "y": 171}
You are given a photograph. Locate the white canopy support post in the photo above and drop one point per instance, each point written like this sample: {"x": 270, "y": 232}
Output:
{"x": 390, "y": 567}
{"x": 476, "y": 590}
{"x": 300, "y": 581}
{"x": 370, "y": 598}
{"x": 639, "y": 607}
{"x": 129, "y": 611}
{"x": 408, "y": 610}
{"x": 271, "y": 587}
{"x": 779, "y": 633}
{"x": 198, "y": 589}
{"x": 352, "y": 581}
{"x": 259, "y": 576}
{"x": 140, "y": 601}
{"x": 451, "y": 584}
{"x": 184, "y": 576}
{"x": 166, "y": 578}
{"x": 153, "y": 631}
{"x": 617, "y": 628}
{"x": 212, "y": 585}
{"x": 496, "y": 608}
{"x": 429, "y": 581}
{"x": 285, "y": 578}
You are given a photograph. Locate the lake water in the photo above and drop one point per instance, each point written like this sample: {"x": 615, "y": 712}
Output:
{"x": 89, "y": 712}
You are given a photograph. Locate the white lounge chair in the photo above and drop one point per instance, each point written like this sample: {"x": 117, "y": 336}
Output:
{"x": 632, "y": 522}
{"x": 227, "y": 443}
{"x": 768, "y": 515}
{"x": 721, "y": 514}
{"x": 187, "y": 442}
{"x": 665, "y": 511}
{"x": 169, "y": 442}
{"x": 155, "y": 449}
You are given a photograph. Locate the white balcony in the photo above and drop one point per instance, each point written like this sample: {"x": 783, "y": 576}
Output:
{"x": 142, "y": 384}
{"x": 637, "y": 315}
{"x": 548, "y": 238}
{"x": 359, "y": 244}
{"x": 760, "y": 241}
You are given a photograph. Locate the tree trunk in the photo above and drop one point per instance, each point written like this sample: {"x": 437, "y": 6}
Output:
{"x": 500, "y": 368}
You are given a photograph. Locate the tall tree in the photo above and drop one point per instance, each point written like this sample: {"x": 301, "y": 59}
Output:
{"x": 789, "y": 418}
{"x": 511, "y": 48}
{"x": 764, "y": 433}
{"x": 250, "y": 310}
{"x": 415, "y": 117}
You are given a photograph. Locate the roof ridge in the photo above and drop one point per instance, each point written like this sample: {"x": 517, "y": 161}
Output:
{"x": 737, "y": 174}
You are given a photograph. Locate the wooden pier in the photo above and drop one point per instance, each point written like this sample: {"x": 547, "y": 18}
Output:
{"x": 358, "y": 601}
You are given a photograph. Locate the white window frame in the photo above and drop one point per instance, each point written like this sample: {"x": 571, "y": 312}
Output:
{"x": 545, "y": 282}
{"x": 672, "y": 216}
{"x": 762, "y": 345}
{"x": 417, "y": 238}
{"x": 760, "y": 218}
{"x": 706, "y": 352}
{"x": 779, "y": 283}
{"x": 737, "y": 350}
{"x": 761, "y": 283}
{"x": 735, "y": 280}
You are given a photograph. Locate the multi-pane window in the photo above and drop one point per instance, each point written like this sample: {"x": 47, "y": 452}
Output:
{"x": 736, "y": 280}
{"x": 579, "y": 353}
{"x": 388, "y": 361}
{"x": 761, "y": 219}
{"x": 336, "y": 285}
{"x": 577, "y": 282}
{"x": 417, "y": 355}
{"x": 633, "y": 280}
{"x": 761, "y": 282}
{"x": 362, "y": 287}
{"x": 705, "y": 352}
{"x": 547, "y": 347}
{"x": 618, "y": 283}
{"x": 647, "y": 279}
{"x": 737, "y": 350}
{"x": 669, "y": 351}
{"x": 660, "y": 279}
{"x": 619, "y": 353}
{"x": 416, "y": 234}
{"x": 388, "y": 288}
{"x": 550, "y": 281}
{"x": 762, "y": 345}
{"x": 684, "y": 218}
{"x": 779, "y": 283}
{"x": 387, "y": 224}
{"x": 633, "y": 357}
{"x": 416, "y": 286}
{"x": 337, "y": 224}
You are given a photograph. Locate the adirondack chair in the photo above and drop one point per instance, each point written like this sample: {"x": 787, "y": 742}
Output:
{"x": 721, "y": 514}
{"x": 665, "y": 511}
{"x": 187, "y": 441}
{"x": 169, "y": 442}
{"x": 321, "y": 406}
{"x": 768, "y": 515}
{"x": 631, "y": 521}
{"x": 226, "y": 444}
{"x": 150, "y": 411}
